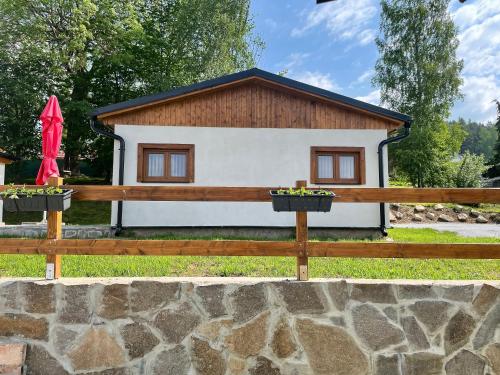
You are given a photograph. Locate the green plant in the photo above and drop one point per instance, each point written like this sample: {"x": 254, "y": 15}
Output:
{"x": 469, "y": 171}
{"x": 14, "y": 192}
{"x": 303, "y": 192}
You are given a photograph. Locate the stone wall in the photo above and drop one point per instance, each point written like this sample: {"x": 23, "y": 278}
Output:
{"x": 252, "y": 326}
{"x": 68, "y": 231}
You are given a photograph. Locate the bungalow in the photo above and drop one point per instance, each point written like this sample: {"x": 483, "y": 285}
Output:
{"x": 251, "y": 128}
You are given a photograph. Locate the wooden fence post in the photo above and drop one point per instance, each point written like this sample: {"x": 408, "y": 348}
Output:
{"x": 54, "y": 232}
{"x": 301, "y": 238}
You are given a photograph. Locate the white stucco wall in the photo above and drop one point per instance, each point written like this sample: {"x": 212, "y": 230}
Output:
{"x": 245, "y": 157}
{"x": 2, "y": 181}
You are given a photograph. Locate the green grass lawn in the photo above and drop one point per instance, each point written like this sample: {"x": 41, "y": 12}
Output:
{"x": 108, "y": 266}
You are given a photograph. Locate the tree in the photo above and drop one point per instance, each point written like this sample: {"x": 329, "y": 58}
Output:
{"x": 469, "y": 171}
{"x": 419, "y": 74}
{"x": 95, "y": 52}
{"x": 496, "y": 156}
{"x": 480, "y": 139}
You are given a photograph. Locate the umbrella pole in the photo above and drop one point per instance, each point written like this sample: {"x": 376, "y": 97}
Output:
{"x": 54, "y": 232}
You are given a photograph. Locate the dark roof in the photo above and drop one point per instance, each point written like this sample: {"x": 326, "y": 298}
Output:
{"x": 255, "y": 72}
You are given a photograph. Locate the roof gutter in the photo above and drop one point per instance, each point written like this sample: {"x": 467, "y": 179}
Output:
{"x": 381, "y": 182}
{"x": 108, "y": 134}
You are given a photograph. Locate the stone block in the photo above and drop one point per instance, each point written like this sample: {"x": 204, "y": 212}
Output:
{"x": 264, "y": 366}
{"x": 173, "y": 361}
{"x": 417, "y": 217}
{"x": 374, "y": 328}
{"x": 63, "y": 339}
{"x": 9, "y": 295}
{"x": 414, "y": 334}
{"x": 12, "y": 356}
{"x": 39, "y": 298}
{"x": 114, "y": 302}
{"x": 211, "y": 330}
{"x": 387, "y": 365}
{"x": 488, "y": 295}
{"x": 433, "y": 314}
{"x": 422, "y": 363}
{"x": 492, "y": 352}
{"x": 40, "y": 362}
{"x": 206, "y": 360}
{"x": 212, "y": 299}
{"x": 249, "y": 339}
{"x": 486, "y": 331}
{"x": 114, "y": 371}
{"x": 138, "y": 339}
{"x": 376, "y": 293}
{"x": 248, "y": 301}
{"x": 339, "y": 294}
{"x": 465, "y": 363}
{"x": 302, "y": 298}
{"x": 151, "y": 295}
{"x": 318, "y": 341}
{"x": 75, "y": 305}
{"x": 461, "y": 293}
{"x": 22, "y": 325}
{"x": 96, "y": 349}
{"x": 175, "y": 324}
{"x": 283, "y": 343}
{"x": 458, "y": 331}
{"x": 445, "y": 218}
{"x": 410, "y": 291}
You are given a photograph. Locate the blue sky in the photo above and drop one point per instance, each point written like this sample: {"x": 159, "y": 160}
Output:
{"x": 332, "y": 46}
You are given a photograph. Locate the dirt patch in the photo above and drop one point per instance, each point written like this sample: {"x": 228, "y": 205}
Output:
{"x": 404, "y": 214}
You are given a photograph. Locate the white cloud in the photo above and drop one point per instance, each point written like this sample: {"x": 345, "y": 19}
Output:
{"x": 363, "y": 78}
{"x": 479, "y": 91}
{"x": 344, "y": 20}
{"x": 317, "y": 79}
{"x": 479, "y": 34}
{"x": 372, "y": 97}
{"x": 296, "y": 59}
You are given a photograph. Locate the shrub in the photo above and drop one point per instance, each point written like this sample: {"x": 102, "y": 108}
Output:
{"x": 468, "y": 172}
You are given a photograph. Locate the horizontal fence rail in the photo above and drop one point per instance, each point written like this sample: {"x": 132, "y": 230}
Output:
{"x": 250, "y": 248}
{"x": 53, "y": 247}
{"x": 261, "y": 194}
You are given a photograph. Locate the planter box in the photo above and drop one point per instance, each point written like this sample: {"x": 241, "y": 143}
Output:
{"x": 311, "y": 203}
{"x": 39, "y": 202}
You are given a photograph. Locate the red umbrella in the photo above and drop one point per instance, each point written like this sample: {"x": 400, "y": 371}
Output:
{"x": 52, "y": 119}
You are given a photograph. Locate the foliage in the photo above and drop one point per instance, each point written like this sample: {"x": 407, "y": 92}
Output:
{"x": 469, "y": 171}
{"x": 95, "y": 52}
{"x": 496, "y": 156}
{"x": 419, "y": 74}
{"x": 13, "y": 192}
{"x": 303, "y": 192}
{"x": 480, "y": 139}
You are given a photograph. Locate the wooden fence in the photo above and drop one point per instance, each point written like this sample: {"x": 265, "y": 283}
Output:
{"x": 53, "y": 247}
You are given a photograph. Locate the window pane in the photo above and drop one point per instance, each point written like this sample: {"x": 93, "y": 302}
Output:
{"x": 156, "y": 165}
{"x": 346, "y": 164}
{"x": 325, "y": 166}
{"x": 178, "y": 164}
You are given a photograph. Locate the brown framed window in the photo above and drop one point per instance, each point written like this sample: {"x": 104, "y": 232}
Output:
{"x": 165, "y": 162}
{"x": 338, "y": 165}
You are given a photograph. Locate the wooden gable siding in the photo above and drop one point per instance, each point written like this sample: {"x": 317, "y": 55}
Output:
{"x": 251, "y": 105}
